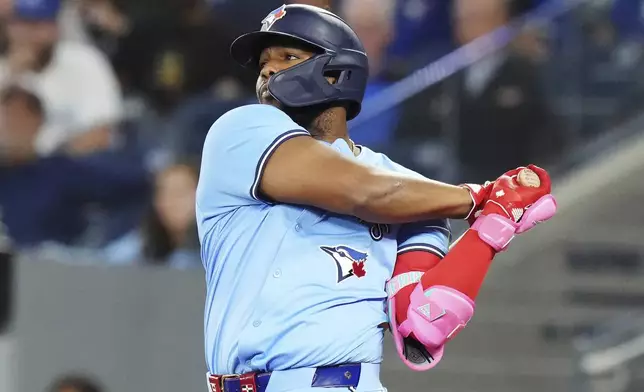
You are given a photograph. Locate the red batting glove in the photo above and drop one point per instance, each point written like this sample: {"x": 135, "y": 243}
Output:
{"x": 510, "y": 199}
{"x": 479, "y": 195}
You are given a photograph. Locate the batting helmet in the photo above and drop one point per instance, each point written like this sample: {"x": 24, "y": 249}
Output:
{"x": 340, "y": 53}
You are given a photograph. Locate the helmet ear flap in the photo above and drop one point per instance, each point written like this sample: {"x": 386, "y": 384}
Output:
{"x": 340, "y": 79}
{"x": 352, "y": 80}
{"x": 304, "y": 84}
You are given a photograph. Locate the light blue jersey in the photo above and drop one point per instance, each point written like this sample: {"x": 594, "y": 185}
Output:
{"x": 287, "y": 286}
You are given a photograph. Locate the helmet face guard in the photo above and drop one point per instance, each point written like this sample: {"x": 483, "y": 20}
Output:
{"x": 341, "y": 56}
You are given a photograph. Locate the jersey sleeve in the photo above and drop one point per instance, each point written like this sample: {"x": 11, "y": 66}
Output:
{"x": 235, "y": 153}
{"x": 430, "y": 236}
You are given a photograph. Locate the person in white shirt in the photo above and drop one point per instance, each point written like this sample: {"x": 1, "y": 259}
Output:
{"x": 80, "y": 91}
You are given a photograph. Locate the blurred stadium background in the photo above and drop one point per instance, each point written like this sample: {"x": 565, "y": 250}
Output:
{"x": 103, "y": 109}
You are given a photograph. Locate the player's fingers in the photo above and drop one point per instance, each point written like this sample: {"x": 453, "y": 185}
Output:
{"x": 544, "y": 177}
{"x": 509, "y": 178}
{"x": 514, "y": 172}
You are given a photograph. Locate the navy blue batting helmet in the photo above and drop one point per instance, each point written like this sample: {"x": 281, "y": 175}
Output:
{"x": 340, "y": 54}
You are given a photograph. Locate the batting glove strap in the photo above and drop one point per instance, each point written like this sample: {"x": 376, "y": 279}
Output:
{"x": 479, "y": 194}
{"x": 475, "y": 205}
{"x": 495, "y": 230}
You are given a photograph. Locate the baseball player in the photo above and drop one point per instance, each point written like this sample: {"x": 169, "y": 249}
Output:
{"x": 300, "y": 228}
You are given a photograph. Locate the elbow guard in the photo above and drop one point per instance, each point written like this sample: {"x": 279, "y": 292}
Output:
{"x": 434, "y": 317}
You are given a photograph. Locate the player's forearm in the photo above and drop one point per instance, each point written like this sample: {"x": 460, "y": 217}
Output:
{"x": 455, "y": 242}
{"x": 391, "y": 198}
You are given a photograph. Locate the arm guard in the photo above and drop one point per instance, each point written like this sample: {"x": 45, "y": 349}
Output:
{"x": 434, "y": 317}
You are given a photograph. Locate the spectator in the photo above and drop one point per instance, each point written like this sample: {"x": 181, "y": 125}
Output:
{"x": 22, "y": 115}
{"x": 627, "y": 63}
{"x": 628, "y": 17}
{"x": 373, "y": 21}
{"x": 422, "y": 32}
{"x": 168, "y": 233}
{"x": 494, "y": 113}
{"x": 75, "y": 383}
{"x": 70, "y": 22}
{"x": 44, "y": 199}
{"x": 5, "y": 11}
{"x": 183, "y": 55}
{"x": 99, "y": 22}
{"x": 248, "y": 12}
{"x": 5, "y": 7}
{"x": 80, "y": 91}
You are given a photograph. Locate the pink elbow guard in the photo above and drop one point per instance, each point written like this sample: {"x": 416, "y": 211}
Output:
{"x": 434, "y": 317}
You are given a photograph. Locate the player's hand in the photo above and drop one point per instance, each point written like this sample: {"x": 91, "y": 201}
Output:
{"x": 479, "y": 194}
{"x": 510, "y": 199}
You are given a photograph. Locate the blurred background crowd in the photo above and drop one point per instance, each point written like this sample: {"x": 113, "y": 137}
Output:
{"x": 104, "y": 106}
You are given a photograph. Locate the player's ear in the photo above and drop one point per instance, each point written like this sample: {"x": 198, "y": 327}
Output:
{"x": 332, "y": 76}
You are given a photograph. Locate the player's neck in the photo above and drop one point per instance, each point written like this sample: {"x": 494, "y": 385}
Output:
{"x": 331, "y": 125}
{"x": 331, "y": 135}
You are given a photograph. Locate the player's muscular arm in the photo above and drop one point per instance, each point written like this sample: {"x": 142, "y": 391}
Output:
{"x": 305, "y": 171}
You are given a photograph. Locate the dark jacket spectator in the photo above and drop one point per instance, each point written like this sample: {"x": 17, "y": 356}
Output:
{"x": 44, "y": 199}
{"x": 184, "y": 54}
{"x": 493, "y": 115}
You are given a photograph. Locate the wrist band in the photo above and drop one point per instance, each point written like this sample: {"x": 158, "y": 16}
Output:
{"x": 495, "y": 230}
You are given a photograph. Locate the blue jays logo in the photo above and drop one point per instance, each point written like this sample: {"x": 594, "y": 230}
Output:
{"x": 350, "y": 262}
{"x": 273, "y": 17}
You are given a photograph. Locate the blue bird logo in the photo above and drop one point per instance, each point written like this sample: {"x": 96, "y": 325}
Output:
{"x": 349, "y": 261}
